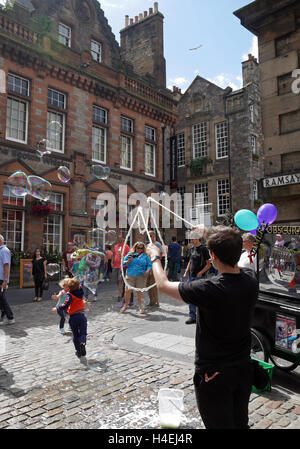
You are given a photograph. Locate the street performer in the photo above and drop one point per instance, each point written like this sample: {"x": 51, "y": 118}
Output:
{"x": 225, "y": 305}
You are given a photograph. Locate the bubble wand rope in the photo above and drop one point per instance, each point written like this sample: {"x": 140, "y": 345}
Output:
{"x": 176, "y": 215}
{"x": 139, "y": 213}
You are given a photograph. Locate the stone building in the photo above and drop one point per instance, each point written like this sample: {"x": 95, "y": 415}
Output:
{"x": 277, "y": 26}
{"x": 62, "y": 64}
{"x": 219, "y": 146}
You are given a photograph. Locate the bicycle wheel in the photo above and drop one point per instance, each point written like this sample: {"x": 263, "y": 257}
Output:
{"x": 259, "y": 348}
{"x": 283, "y": 364}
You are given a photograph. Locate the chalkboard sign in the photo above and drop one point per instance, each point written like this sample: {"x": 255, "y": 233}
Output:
{"x": 26, "y": 278}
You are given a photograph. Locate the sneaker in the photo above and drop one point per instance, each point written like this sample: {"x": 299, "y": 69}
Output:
{"x": 107, "y": 280}
{"x": 122, "y": 305}
{"x": 77, "y": 354}
{"x": 131, "y": 304}
{"x": 142, "y": 311}
{"x": 12, "y": 321}
{"x": 82, "y": 350}
{"x": 3, "y": 321}
{"x": 190, "y": 321}
{"x": 62, "y": 331}
{"x": 123, "y": 309}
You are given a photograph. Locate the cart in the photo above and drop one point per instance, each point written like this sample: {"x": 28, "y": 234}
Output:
{"x": 276, "y": 325}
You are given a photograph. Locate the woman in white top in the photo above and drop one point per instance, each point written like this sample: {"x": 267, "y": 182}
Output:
{"x": 245, "y": 259}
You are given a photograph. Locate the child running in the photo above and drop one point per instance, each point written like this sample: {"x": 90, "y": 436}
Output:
{"x": 62, "y": 297}
{"x": 74, "y": 305}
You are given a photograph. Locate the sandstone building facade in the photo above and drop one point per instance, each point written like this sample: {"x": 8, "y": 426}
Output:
{"x": 219, "y": 146}
{"x": 277, "y": 26}
{"x": 61, "y": 62}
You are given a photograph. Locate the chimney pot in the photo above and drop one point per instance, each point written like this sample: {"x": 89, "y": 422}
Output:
{"x": 145, "y": 13}
{"x": 126, "y": 21}
{"x": 136, "y": 18}
{"x": 131, "y": 21}
{"x": 150, "y": 11}
{"x": 155, "y": 7}
{"x": 140, "y": 16}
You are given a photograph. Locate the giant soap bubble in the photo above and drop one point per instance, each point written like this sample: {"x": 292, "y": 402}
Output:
{"x": 40, "y": 188}
{"x": 18, "y": 184}
{"x": 100, "y": 172}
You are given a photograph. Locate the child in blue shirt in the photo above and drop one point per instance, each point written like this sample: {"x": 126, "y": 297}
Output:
{"x": 62, "y": 297}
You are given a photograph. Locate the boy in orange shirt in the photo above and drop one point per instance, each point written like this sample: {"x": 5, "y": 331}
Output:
{"x": 74, "y": 306}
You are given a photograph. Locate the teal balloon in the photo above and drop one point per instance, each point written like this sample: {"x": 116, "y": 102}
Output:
{"x": 246, "y": 220}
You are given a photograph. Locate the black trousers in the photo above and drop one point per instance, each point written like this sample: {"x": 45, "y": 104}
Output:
{"x": 4, "y": 306}
{"x": 223, "y": 401}
{"x": 38, "y": 286}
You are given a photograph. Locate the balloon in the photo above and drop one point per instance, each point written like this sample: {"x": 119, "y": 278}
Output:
{"x": 267, "y": 213}
{"x": 246, "y": 220}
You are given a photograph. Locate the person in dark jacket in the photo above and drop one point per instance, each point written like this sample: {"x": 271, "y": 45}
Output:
{"x": 39, "y": 273}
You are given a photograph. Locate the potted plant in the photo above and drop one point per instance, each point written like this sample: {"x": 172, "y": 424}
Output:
{"x": 255, "y": 156}
{"x": 258, "y": 202}
{"x": 196, "y": 165}
{"x": 40, "y": 208}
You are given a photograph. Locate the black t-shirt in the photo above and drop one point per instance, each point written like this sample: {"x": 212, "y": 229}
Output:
{"x": 199, "y": 256}
{"x": 225, "y": 306}
{"x": 38, "y": 269}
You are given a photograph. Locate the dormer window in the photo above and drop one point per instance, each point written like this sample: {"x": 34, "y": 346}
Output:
{"x": 64, "y": 34}
{"x": 96, "y": 51}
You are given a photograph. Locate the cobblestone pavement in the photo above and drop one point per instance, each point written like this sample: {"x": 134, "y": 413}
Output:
{"x": 43, "y": 384}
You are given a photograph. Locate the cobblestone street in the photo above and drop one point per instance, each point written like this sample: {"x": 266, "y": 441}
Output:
{"x": 43, "y": 384}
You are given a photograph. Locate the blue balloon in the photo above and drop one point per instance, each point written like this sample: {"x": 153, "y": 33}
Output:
{"x": 246, "y": 220}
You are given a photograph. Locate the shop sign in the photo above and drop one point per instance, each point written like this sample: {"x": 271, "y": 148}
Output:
{"x": 284, "y": 180}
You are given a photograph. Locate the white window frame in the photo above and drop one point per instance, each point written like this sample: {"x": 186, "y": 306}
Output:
{"x": 49, "y": 144}
{"x": 11, "y": 98}
{"x": 181, "y": 150}
{"x": 251, "y": 107}
{"x": 223, "y": 196}
{"x": 12, "y": 199}
{"x": 200, "y": 141}
{"x": 131, "y": 145}
{"x": 253, "y": 144}
{"x": 14, "y": 89}
{"x": 60, "y": 104}
{"x": 95, "y": 127}
{"x": 150, "y": 133}
{"x": 255, "y": 190}
{"x": 221, "y": 136}
{"x": 153, "y": 150}
{"x": 129, "y": 128}
{"x": 98, "y": 108}
{"x": 96, "y": 55}
{"x": 53, "y": 200}
{"x": 64, "y": 38}
{"x": 14, "y": 230}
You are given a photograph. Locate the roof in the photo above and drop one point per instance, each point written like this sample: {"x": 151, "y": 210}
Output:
{"x": 25, "y": 4}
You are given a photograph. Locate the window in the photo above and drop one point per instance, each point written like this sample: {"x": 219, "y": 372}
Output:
{"x": 180, "y": 201}
{"x": 253, "y": 144}
{"x": 56, "y": 121}
{"x": 200, "y": 140}
{"x": 180, "y": 150}
{"x": 223, "y": 196}
{"x": 17, "y": 109}
{"x": 18, "y": 85}
{"x": 251, "y": 113}
{"x": 16, "y": 120}
{"x": 55, "y": 131}
{"x": 64, "y": 34}
{"x": 13, "y": 228}
{"x": 99, "y": 114}
{"x": 56, "y": 99}
{"x": 127, "y": 125}
{"x": 255, "y": 190}
{"x": 289, "y": 122}
{"x": 97, "y": 238}
{"x": 150, "y": 133}
{"x": 12, "y": 200}
{"x": 99, "y": 144}
{"x": 201, "y": 196}
{"x": 52, "y": 235}
{"x": 221, "y": 140}
{"x": 126, "y": 152}
{"x": 149, "y": 159}
{"x": 96, "y": 51}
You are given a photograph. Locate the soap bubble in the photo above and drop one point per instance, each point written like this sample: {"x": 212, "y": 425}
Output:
{"x": 54, "y": 128}
{"x": 100, "y": 172}
{"x": 63, "y": 174}
{"x": 18, "y": 184}
{"x": 111, "y": 237}
{"x": 43, "y": 147}
{"x": 52, "y": 269}
{"x": 40, "y": 188}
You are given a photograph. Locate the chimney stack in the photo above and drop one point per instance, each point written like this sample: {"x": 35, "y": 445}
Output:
{"x": 150, "y": 11}
{"x": 155, "y": 7}
{"x": 126, "y": 21}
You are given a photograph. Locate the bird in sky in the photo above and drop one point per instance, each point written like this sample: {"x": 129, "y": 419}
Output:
{"x": 196, "y": 48}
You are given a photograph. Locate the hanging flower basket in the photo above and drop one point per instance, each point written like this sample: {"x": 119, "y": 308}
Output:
{"x": 40, "y": 209}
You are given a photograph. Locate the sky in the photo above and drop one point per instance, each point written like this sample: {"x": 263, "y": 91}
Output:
{"x": 188, "y": 24}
